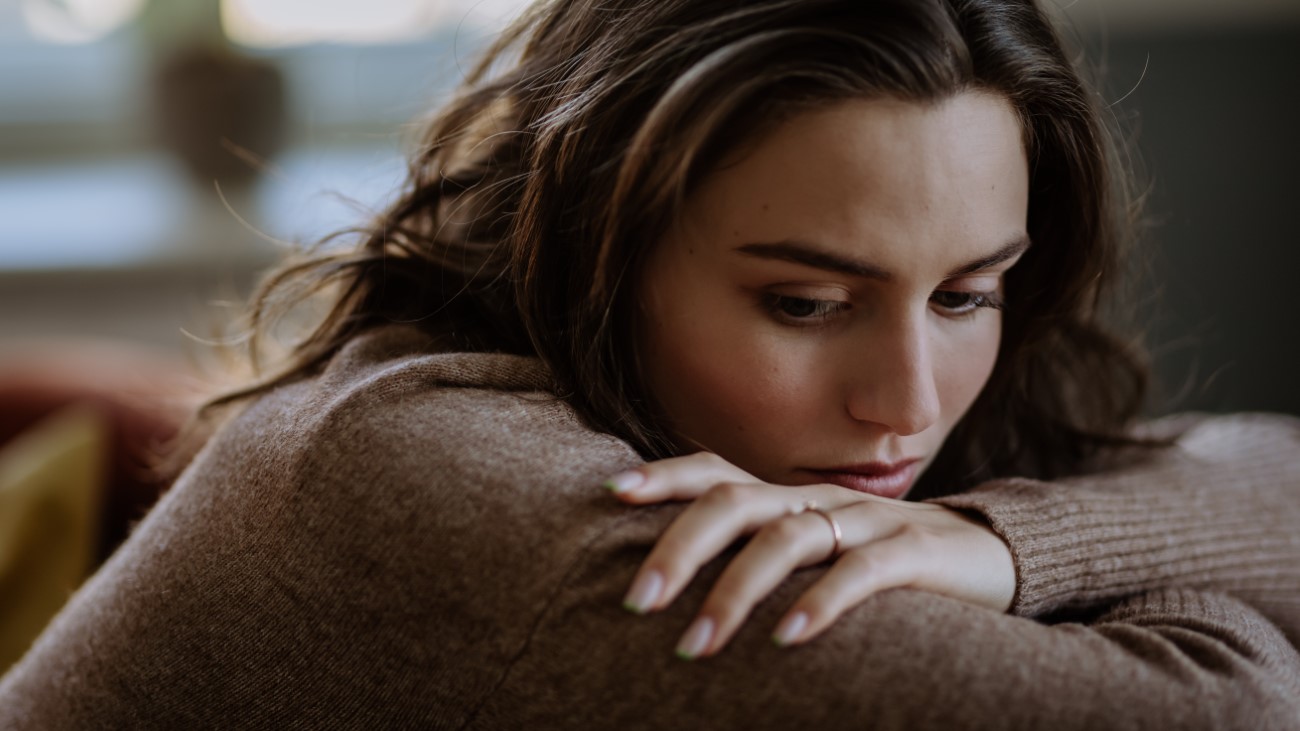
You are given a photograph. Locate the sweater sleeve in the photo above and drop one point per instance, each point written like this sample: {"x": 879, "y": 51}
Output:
{"x": 398, "y": 556}
{"x": 1216, "y": 511}
{"x": 356, "y": 624}
{"x": 904, "y": 659}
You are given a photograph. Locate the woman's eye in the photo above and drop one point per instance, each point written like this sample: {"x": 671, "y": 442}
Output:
{"x": 963, "y": 303}
{"x": 801, "y": 310}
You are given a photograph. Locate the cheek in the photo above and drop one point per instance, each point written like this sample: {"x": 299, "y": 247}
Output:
{"x": 966, "y": 367}
{"x": 714, "y": 384}
{"x": 719, "y": 383}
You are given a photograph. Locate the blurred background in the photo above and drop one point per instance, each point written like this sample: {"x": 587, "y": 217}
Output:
{"x": 152, "y": 151}
{"x": 155, "y": 155}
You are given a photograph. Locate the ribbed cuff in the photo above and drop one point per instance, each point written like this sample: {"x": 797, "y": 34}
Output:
{"x": 1076, "y": 544}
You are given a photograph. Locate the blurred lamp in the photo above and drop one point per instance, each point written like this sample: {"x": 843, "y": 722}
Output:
{"x": 274, "y": 23}
{"x": 77, "y": 21}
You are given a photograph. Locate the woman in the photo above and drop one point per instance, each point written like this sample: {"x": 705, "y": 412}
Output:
{"x": 845, "y": 248}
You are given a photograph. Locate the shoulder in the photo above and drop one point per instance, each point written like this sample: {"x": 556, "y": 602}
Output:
{"x": 1199, "y": 438}
{"x": 391, "y": 407}
{"x": 399, "y": 518}
{"x": 433, "y": 456}
{"x": 1226, "y": 435}
{"x": 418, "y": 485}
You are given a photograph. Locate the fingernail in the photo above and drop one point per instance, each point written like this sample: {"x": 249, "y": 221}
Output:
{"x": 624, "y": 481}
{"x": 790, "y": 629}
{"x": 645, "y": 590}
{"x": 696, "y": 639}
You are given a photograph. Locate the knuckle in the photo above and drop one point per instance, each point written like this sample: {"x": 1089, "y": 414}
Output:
{"x": 710, "y": 459}
{"x": 916, "y": 537}
{"x": 783, "y": 531}
{"x": 864, "y": 509}
{"x": 727, "y": 493}
{"x": 909, "y": 532}
{"x": 860, "y": 560}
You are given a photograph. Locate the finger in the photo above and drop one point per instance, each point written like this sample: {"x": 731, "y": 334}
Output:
{"x": 723, "y": 514}
{"x": 859, "y": 573}
{"x": 705, "y": 529}
{"x": 676, "y": 478}
{"x": 776, "y": 550}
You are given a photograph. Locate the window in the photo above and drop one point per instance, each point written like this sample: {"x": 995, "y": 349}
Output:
{"x": 76, "y": 126}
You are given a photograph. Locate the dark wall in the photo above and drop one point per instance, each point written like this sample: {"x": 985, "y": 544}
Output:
{"x": 1217, "y": 123}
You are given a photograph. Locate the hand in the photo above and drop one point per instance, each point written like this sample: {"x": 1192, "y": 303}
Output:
{"x": 884, "y": 544}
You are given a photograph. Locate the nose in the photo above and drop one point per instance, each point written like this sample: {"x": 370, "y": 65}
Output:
{"x": 893, "y": 380}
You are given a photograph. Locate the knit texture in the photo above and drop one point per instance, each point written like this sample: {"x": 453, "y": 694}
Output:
{"x": 418, "y": 540}
{"x": 1217, "y": 511}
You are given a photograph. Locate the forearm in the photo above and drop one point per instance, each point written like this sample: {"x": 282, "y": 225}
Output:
{"x": 1218, "y": 512}
{"x": 251, "y": 637}
{"x": 903, "y": 659}
{"x": 410, "y": 595}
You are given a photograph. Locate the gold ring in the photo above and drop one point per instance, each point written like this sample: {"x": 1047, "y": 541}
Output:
{"x": 836, "y": 534}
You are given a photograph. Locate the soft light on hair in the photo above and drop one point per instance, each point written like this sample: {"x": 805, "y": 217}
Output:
{"x": 540, "y": 188}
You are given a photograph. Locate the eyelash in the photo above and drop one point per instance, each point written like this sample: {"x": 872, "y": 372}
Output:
{"x": 974, "y": 301}
{"x": 824, "y": 310}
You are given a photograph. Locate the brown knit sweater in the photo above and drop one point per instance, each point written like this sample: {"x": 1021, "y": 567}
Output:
{"x": 415, "y": 540}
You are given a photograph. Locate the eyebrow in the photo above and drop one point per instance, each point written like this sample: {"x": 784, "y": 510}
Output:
{"x": 802, "y": 252}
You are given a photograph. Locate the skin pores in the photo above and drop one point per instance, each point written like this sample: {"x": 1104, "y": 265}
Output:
{"x": 826, "y": 308}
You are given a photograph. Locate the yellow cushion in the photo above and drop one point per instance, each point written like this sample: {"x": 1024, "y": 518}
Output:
{"x": 51, "y": 480}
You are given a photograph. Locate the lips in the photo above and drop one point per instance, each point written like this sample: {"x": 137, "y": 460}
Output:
{"x": 891, "y": 480}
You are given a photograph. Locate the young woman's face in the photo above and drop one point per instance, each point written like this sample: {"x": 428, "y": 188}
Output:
{"x": 827, "y": 308}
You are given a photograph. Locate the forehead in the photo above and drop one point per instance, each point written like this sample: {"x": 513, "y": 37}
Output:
{"x": 881, "y": 178}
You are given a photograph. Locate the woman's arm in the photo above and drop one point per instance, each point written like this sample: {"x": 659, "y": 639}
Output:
{"x": 359, "y": 595}
{"x": 379, "y": 549}
{"x": 1219, "y": 511}
{"x": 902, "y": 660}
{"x": 1215, "y": 511}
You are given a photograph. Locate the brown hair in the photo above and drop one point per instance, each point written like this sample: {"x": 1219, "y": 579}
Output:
{"x": 539, "y": 189}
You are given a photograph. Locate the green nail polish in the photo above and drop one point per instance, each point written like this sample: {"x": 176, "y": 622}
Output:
{"x": 624, "y": 481}
{"x": 696, "y": 640}
{"x": 790, "y": 629}
{"x": 645, "y": 590}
